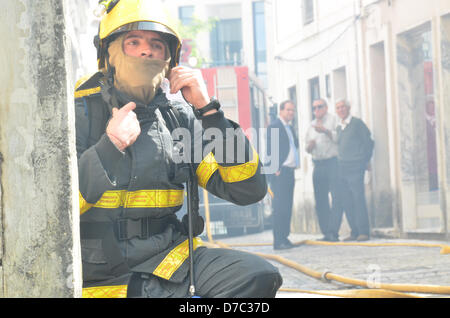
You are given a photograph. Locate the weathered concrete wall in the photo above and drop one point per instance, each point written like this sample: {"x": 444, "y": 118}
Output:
{"x": 1, "y": 234}
{"x": 38, "y": 180}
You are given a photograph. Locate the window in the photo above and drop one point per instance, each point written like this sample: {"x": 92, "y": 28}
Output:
{"x": 314, "y": 92}
{"x": 308, "y": 11}
{"x": 226, "y": 42}
{"x": 259, "y": 30}
{"x": 328, "y": 85}
{"x": 339, "y": 82}
{"x": 186, "y": 14}
{"x": 292, "y": 93}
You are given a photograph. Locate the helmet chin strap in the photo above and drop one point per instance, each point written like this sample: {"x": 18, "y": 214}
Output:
{"x": 110, "y": 70}
{"x": 108, "y": 84}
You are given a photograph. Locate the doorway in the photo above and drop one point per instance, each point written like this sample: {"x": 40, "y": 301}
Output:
{"x": 381, "y": 214}
{"x": 421, "y": 196}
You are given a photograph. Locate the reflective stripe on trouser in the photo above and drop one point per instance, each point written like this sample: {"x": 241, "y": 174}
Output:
{"x": 119, "y": 291}
{"x": 165, "y": 269}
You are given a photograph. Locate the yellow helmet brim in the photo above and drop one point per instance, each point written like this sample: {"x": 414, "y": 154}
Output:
{"x": 130, "y": 11}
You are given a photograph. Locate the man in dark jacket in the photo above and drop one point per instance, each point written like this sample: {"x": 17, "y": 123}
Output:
{"x": 283, "y": 180}
{"x": 130, "y": 176}
{"x": 355, "y": 147}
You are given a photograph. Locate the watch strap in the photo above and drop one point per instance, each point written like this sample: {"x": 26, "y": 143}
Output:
{"x": 213, "y": 104}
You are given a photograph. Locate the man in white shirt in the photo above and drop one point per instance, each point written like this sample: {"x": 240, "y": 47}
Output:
{"x": 321, "y": 144}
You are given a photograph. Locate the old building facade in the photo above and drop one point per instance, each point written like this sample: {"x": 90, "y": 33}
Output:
{"x": 390, "y": 59}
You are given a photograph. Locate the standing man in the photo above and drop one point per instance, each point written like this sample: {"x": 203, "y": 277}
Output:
{"x": 321, "y": 144}
{"x": 355, "y": 147}
{"x": 283, "y": 180}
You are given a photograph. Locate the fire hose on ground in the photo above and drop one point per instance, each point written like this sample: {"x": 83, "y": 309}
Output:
{"x": 382, "y": 290}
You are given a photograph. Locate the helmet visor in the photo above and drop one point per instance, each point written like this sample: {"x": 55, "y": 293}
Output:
{"x": 168, "y": 35}
{"x": 144, "y": 25}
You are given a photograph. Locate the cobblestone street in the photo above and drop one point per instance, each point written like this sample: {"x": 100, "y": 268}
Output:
{"x": 405, "y": 265}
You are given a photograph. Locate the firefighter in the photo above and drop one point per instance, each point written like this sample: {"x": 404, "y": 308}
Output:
{"x": 130, "y": 183}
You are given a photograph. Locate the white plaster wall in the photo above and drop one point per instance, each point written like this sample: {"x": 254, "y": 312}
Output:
{"x": 39, "y": 183}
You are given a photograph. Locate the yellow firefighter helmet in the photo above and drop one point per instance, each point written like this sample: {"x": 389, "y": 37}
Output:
{"x": 127, "y": 15}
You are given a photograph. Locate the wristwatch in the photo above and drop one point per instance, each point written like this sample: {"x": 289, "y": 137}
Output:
{"x": 213, "y": 104}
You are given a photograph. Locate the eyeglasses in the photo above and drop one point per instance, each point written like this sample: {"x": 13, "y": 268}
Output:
{"x": 318, "y": 107}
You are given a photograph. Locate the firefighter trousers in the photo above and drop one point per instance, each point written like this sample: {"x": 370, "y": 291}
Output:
{"x": 219, "y": 273}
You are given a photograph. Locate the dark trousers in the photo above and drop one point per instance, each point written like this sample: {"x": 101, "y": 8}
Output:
{"x": 351, "y": 199}
{"x": 325, "y": 183}
{"x": 283, "y": 190}
{"x": 219, "y": 273}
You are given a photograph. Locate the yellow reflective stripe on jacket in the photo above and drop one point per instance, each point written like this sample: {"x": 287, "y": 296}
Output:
{"x": 87, "y": 92}
{"x": 175, "y": 259}
{"x": 82, "y": 80}
{"x": 229, "y": 174}
{"x": 206, "y": 169}
{"x": 84, "y": 206}
{"x": 154, "y": 198}
{"x": 119, "y": 291}
{"x": 136, "y": 199}
{"x": 241, "y": 172}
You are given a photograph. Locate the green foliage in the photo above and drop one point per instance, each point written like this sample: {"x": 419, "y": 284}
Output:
{"x": 191, "y": 31}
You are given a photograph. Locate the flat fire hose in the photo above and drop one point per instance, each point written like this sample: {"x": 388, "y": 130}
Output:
{"x": 381, "y": 291}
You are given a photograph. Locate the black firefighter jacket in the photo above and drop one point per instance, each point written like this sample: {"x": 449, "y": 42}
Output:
{"x": 147, "y": 182}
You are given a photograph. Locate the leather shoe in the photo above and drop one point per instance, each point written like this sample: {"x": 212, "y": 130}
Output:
{"x": 362, "y": 238}
{"x": 289, "y": 243}
{"x": 329, "y": 239}
{"x": 350, "y": 238}
{"x": 283, "y": 246}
